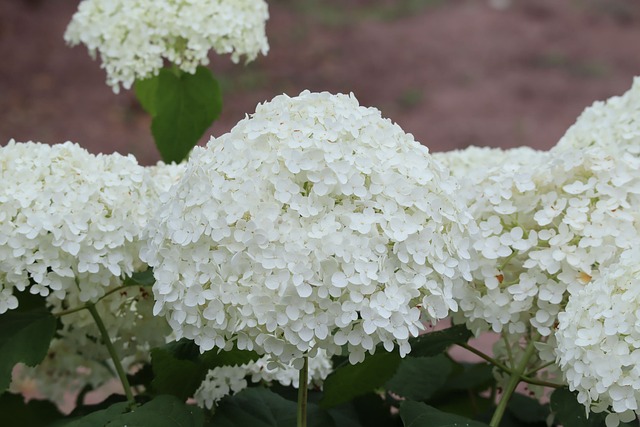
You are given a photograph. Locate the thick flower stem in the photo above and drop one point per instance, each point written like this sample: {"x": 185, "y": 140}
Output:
{"x": 112, "y": 352}
{"x": 302, "y": 393}
{"x": 514, "y": 380}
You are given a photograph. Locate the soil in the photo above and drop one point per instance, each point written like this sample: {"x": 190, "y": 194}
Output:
{"x": 453, "y": 73}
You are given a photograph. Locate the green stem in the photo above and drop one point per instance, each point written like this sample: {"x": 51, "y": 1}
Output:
{"x": 486, "y": 357}
{"x": 85, "y": 306}
{"x": 539, "y": 368}
{"x": 302, "y": 393}
{"x": 543, "y": 383}
{"x": 514, "y": 380}
{"x": 112, "y": 352}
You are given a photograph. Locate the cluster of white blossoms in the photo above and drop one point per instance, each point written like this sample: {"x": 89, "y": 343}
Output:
{"x": 314, "y": 224}
{"x": 70, "y": 221}
{"x": 548, "y": 221}
{"x": 70, "y": 229}
{"x": 135, "y": 37}
{"x": 598, "y": 340}
{"x": 612, "y": 123}
{"x": 225, "y": 380}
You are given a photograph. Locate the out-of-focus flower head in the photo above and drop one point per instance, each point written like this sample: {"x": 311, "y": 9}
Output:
{"x": 135, "y": 37}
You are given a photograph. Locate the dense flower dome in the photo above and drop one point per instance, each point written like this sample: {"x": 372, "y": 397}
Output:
{"x": 70, "y": 229}
{"x": 134, "y": 37}
{"x": 313, "y": 224}
{"x": 611, "y": 123}
{"x": 225, "y": 380}
{"x": 70, "y": 221}
{"x": 598, "y": 340}
{"x": 548, "y": 222}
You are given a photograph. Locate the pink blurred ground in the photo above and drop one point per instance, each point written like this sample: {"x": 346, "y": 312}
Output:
{"x": 453, "y": 73}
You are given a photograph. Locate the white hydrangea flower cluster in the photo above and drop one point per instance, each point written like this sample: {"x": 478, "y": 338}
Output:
{"x": 225, "y": 380}
{"x": 314, "y": 224}
{"x": 70, "y": 228}
{"x": 611, "y": 123}
{"x": 134, "y": 37}
{"x": 547, "y": 223}
{"x": 598, "y": 340}
{"x": 70, "y": 221}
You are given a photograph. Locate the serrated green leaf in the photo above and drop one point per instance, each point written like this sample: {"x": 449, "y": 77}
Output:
{"x": 417, "y": 414}
{"x": 570, "y": 413}
{"x": 162, "y": 411}
{"x": 184, "y": 107}
{"x": 434, "y": 343}
{"x": 24, "y": 337}
{"x": 141, "y": 278}
{"x": 260, "y": 407}
{"x": 35, "y": 413}
{"x": 180, "y": 378}
{"x": 213, "y": 358}
{"x": 350, "y": 381}
{"x": 146, "y": 91}
{"x": 418, "y": 378}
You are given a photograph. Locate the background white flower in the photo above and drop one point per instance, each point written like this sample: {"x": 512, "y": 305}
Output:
{"x": 598, "y": 340}
{"x": 611, "y": 123}
{"x": 313, "y": 224}
{"x": 134, "y": 37}
{"x": 548, "y": 222}
{"x": 225, "y": 380}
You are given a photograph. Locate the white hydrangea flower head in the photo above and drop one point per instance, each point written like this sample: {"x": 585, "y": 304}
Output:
{"x": 70, "y": 221}
{"x": 135, "y": 37}
{"x": 225, "y": 380}
{"x": 313, "y": 224}
{"x": 611, "y": 123}
{"x": 547, "y": 223}
{"x": 598, "y": 340}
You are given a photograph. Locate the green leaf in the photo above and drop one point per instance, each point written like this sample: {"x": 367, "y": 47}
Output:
{"x": 570, "y": 413}
{"x": 180, "y": 378}
{"x": 260, "y": 407}
{"x": 24, "y": 337}
{"x": 36, "y": 413}
{"x": 471, "y": 376}
{"x": 527, "y": 409}
{"x": 183, "y": 107}
{"x": 350, "y": 381}
{"x": 163, "y": 411}
{"x": 146, "y": 93}
{"x": 141, "y": 278}
{"x": 418, "y": 378}
{"x": 100, "y": 418}
{"x": 417, "y": 414}
{"x": 434, "y": 343}
{"x": 212, "y": 358}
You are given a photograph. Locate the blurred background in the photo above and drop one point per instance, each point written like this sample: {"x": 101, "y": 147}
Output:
{"x": 452, "y": 72}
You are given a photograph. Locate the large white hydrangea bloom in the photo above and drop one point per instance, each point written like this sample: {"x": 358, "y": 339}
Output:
{"x": 611, "y": 123}
{"x": 598, "y": 340}
{"x": 70, "y": 229}
{"x": 70, "y": 221}
{"x": 225, "y": 380}
{"x": 313, "y": 224}
{"x": 134, "y": 37}
{"x": 548, "y": 222}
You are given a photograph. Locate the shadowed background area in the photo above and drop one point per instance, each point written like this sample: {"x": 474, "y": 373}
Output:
{"x": 452, "y": 72}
